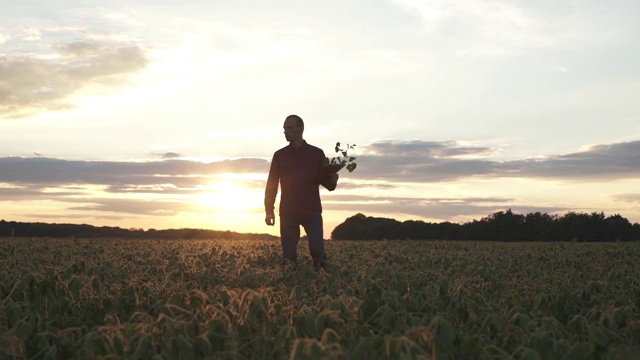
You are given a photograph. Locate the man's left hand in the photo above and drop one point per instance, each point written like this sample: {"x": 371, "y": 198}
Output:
{"x": 333, "y": 178}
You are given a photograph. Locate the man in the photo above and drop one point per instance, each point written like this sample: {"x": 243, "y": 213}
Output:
{"x": 298, "y": 168}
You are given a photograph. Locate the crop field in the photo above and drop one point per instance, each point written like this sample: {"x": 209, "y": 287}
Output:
{"x": 229, "y": 299}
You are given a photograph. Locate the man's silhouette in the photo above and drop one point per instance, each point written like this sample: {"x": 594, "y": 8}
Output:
{"x": 298, "y": 168}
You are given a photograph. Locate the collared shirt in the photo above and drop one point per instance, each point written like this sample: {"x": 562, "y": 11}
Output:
{"x": 297, "y": 171}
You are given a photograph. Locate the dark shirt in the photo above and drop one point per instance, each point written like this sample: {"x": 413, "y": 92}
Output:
{"x": 299, "y": 173}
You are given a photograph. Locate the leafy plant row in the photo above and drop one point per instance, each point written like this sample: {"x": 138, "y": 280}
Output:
{"x": 117, "y": 298}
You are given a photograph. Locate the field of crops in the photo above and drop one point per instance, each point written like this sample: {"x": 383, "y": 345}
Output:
{"x": 113, "y": 298}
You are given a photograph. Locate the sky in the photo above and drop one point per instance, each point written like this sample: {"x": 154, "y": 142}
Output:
{"x": 165, "y": 114}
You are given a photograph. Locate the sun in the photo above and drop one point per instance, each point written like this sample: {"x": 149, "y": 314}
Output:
{"x": 228, "y": 195}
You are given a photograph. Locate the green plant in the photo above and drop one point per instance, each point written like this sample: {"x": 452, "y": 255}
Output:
{"x": 392, "y": 299}
{"x": 343, "y": 158}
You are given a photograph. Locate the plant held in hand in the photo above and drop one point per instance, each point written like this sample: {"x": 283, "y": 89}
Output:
{"x": 343, "y": 159}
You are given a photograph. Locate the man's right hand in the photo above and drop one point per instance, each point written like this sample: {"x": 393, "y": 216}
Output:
{"x": 270, "y": 219}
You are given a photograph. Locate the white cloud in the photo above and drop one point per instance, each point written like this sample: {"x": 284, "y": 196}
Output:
{"x": 32, "y": 85}
{"x": 559, "y": 69}
{"x": 481, "y": 28}
{"x": 31, "y": 34}
{"x": 123, "y": 18}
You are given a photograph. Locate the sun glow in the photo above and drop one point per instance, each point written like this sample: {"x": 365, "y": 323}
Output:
{"x": 229, "y": 195}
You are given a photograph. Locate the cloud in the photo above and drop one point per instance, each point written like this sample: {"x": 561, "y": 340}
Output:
{"x": 506, "y": 28}
{"x": 598, "y": 162}
{"x": 34, "y": 84}
{"x": 558, "y": 69}
{"x": 631, "y": 197}
{"x": 433, "y": 208}
{"x": 428, "y": 161}
{"x": 81, "y": 217}
{"x": 138, "y": 207}
{"x": 84, "y": 199}
{"x": 348, "y": 185}
{"x": 19, "y": 193}
{"x": 161, "y": 187}
{"x": 435, "y": 149}
{"x": 182, "y": 173}
{"x": 421, "y": 161}
{"x": 403, "y": 161}
{"x": 170, "y": 155}
{"x": 155, "y": 188}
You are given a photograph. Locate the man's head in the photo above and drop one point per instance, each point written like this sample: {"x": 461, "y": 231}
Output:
{"x": 293, "y": 128}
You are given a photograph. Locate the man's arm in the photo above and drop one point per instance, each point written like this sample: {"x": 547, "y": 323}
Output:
{"x": 327, "y": 179}
{"x": 270, "y": 193}
{"x": 330, "y": 182}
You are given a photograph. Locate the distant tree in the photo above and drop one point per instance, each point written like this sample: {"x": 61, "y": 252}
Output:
{"x": 475, "y": 230}
{"x": 506, "y": 226}
{"x": 618, "y": 228}
{"x": 446, "y": 231}
{"x": 350, "y": 229}
{"x": 583, "y": 227}
{"x": 89, "y": 231}
{"x": 410, "y": 229}
{"x": 540, "y": 227}
{"x": 420, "y": 230}
{"x": 635, "y": 235}
{"x": 502, "y": 225}
{"x": 361, "y": 227}
{"x": 381, "y": 228}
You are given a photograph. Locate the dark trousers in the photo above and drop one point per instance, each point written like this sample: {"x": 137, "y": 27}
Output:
{"x": 290, "y": 235}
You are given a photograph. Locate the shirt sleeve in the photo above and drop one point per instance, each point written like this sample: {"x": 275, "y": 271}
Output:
{"x": 324, "y": 175}
{"x": 328, "y": 184}
{"x": 271, "y": 189}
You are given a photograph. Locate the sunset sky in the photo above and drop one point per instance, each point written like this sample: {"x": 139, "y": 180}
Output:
{"x": 165, "y": 114}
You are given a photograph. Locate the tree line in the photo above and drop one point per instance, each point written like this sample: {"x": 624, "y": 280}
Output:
{"x": 38, "y": 229}
{"x": 500, "y": 226}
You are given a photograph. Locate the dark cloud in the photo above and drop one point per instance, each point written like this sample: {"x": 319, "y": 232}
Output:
{"x": 170, "y": 155}
{"x": 56, "y": 217}
{"x": 348, "y": 185}
{"x": 34, "y": 193}
{"x": 601, "y": 162}
{"x": 29, "y": 85}
{"x": 433, "y": 208}
{"x": 422, "y": 161}
{"x": 139, "y": 207}
{"x": 34, "y": 179}
{"x": 19, "y": 193}
{"x": 431, "y": 149}
{"x": 73, "y": 181}
{"x": 180, "y": 173}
